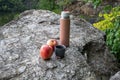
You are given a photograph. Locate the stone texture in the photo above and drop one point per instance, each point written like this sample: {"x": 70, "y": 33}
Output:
{"x": 21, "y": 39}
{"x": 116, "y": 76}
{"x": 88, "y": 9}
{"x": 99, "y": 59}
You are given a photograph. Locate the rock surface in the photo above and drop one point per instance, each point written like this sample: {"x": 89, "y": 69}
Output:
{"x": 116, "y": 76}
{"x": 21, "y": 39}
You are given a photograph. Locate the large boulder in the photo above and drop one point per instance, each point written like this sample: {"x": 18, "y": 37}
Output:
{"x": 87, "y": 57}
{"x": 116, "y": 76}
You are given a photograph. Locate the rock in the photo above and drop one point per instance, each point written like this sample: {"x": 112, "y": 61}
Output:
{"x": 88, "y": 9}
{"x": 116, "y": 76}
{"x": 100, "y": 60}
{"x": 74, "y": 8}
{"x": 21, "y": 39}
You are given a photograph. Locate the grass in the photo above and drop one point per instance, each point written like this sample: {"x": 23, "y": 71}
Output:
{"x": 5, "y": 17}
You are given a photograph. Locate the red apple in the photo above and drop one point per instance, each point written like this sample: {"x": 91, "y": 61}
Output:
{"x": 46, "y": 52}
{"x": 52, "y": 42}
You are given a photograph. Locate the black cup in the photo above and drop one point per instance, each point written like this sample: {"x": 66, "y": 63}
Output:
{"x": 60, "y": 51}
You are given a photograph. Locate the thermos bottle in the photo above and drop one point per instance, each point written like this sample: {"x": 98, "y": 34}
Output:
{"x": 65, "y": 28}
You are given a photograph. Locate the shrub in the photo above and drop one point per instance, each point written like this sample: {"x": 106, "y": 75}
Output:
{"x": 113, "y": 38}
{"x": 111, "y": 26}
{"x": 108, "y": 21}
{"x": 11, "y": 5}
{"x": 46, "y": 4}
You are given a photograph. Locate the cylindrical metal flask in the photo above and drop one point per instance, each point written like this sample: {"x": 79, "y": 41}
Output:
{"x": 65, "y": 28}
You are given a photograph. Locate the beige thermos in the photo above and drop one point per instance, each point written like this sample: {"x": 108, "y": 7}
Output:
{"x": 65, "y": 28}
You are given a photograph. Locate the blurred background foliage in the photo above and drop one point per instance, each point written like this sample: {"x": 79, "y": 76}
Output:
{"x": 10, "y": 9}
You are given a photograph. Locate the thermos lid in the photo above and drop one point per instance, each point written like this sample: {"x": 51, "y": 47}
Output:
{"x": 65, "y": 14}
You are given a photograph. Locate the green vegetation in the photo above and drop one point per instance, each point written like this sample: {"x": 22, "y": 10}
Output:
{"x": 17, "y": 5}
{"x": 48, "y": 5}
{"x": 111, "y": 25}
{"x": 96, "y": 3}
{"x": 52, "y": 6}
{"x": 4, "y": 19}
{"x": 11, "y": 5}
{"x": 9, "y": 8}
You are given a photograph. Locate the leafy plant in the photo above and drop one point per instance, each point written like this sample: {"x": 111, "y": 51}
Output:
{"x": 107, "y": 23}
{"x": 111, "y": 26}
{"x": 113, "y": 38}
{"x": 107, "y": 8}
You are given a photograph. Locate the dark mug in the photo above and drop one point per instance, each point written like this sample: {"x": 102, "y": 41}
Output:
{"x": 60, "y": 51}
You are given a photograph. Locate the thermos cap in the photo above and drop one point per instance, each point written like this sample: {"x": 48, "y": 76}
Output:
{"x": 65, "y": 14}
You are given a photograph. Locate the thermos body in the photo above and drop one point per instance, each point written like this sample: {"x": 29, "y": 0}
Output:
{"x": 64, "y": 29}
